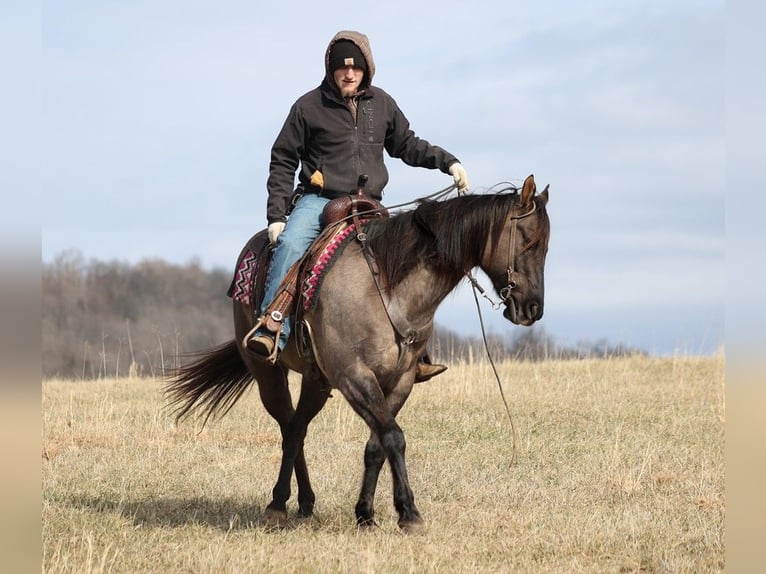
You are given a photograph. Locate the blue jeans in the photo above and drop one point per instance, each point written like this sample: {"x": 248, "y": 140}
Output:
{"x": 303, "y": 227}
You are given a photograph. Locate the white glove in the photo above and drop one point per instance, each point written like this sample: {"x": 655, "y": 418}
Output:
{"x": 274, "y": 230}
{"x": 457, "y": 171}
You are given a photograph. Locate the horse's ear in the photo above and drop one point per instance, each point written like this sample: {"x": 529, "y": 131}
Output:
{"x": 544, "y": 195}
{"x": 528, "y": 191}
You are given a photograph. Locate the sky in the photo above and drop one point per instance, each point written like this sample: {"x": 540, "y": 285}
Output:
{"x": 158, "y": 119}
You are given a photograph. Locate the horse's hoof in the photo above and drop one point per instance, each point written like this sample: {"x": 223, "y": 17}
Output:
{"x": 366, "y": 525}
{"x": 305, "y": 513}
{"x": 414, "y": 526}
{"x": 275, "y": 518}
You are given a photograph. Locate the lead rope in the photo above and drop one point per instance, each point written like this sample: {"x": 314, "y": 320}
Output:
{"x": 514, "y": 455}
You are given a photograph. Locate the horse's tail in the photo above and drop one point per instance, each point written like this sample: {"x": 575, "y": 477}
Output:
{"x": 209, "y": 386}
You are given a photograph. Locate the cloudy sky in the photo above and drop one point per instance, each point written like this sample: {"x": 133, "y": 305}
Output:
{"x": 158, "y": 118}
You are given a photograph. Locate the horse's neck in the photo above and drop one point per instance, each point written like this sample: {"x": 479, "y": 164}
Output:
{"x": 414, "y": 301}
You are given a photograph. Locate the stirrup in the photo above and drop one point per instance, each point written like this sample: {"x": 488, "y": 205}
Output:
{"x": 251, "y": 334}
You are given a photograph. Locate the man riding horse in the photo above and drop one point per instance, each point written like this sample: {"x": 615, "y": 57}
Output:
{"x": 334, "y": 134}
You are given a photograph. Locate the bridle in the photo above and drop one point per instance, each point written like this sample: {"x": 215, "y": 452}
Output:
{"x": 505, "y": 292}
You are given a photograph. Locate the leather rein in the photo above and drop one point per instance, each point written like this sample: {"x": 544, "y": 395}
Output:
{"x": 505, "y": 296}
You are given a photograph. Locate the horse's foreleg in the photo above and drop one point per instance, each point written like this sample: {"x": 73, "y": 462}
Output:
{"x": 379, "y": 413}
{"x": 394, "y": 444}
{"x": 374, "y": 457}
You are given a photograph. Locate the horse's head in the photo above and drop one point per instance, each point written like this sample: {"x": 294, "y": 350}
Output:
{"x": 516, "y": 260}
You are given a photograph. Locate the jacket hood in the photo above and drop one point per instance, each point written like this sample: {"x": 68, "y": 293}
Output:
{"x": 363, "y": 44}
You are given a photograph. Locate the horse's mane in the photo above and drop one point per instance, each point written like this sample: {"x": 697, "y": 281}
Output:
{"x": 449, "y": 236}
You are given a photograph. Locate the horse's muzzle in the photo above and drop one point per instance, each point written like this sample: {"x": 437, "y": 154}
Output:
{"x": 531, "y": 311}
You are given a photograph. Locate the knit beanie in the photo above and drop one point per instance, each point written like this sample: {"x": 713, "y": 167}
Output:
{"x": 345, "y": 53}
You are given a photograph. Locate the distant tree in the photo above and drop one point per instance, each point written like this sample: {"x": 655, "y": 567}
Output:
{"x": 113, "y": 319}
{"x": 532, "y": 344}
{"x": 106, "y": 319}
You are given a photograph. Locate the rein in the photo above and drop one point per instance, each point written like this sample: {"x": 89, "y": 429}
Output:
{"x": 505, "y": 296}
{"x": 407, "y": 336}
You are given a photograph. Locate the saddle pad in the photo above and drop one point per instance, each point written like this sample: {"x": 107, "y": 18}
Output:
{"x": 242, "y": 284}
{"x": 252, "y": 265}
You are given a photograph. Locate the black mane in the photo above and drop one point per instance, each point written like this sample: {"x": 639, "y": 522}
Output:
{"x": 448, "y": 236}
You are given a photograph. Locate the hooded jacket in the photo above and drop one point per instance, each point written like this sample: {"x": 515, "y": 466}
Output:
{"x": 321, "y": 133}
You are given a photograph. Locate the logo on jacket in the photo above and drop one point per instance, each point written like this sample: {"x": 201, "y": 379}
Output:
{"x": 368, "y": 120}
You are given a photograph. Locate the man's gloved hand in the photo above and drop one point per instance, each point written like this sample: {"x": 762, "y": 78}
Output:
{"x": 457, "y": 171}
{"x": 274, "y": 230}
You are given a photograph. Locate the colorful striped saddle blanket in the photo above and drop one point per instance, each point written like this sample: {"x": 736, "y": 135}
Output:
{"x": 248, "y": 283}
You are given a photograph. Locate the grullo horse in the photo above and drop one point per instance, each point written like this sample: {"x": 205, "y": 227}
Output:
{"x": 368, "y": 325}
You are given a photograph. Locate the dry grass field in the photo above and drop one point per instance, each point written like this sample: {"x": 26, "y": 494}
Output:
{"x": 620, "y": 469}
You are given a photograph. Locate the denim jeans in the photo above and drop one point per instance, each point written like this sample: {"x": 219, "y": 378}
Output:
{"x": 303, "y": 226}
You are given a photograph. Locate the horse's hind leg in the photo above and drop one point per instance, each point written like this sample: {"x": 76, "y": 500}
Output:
{"x": 312, "y": 398}
{"x": 275, "y": 396}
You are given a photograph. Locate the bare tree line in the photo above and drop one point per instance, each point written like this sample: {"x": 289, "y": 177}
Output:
{"x": 112, "y": 319}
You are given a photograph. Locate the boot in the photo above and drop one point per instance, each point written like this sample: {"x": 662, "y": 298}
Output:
{"x": 263, "y": 347}
{"x": 426, "y": 369}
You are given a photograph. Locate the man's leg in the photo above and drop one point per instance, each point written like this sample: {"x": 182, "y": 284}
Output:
{"x": 303, "y": 226}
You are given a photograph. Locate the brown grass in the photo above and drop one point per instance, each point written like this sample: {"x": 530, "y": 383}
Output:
{"x": 620, "y": 469}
